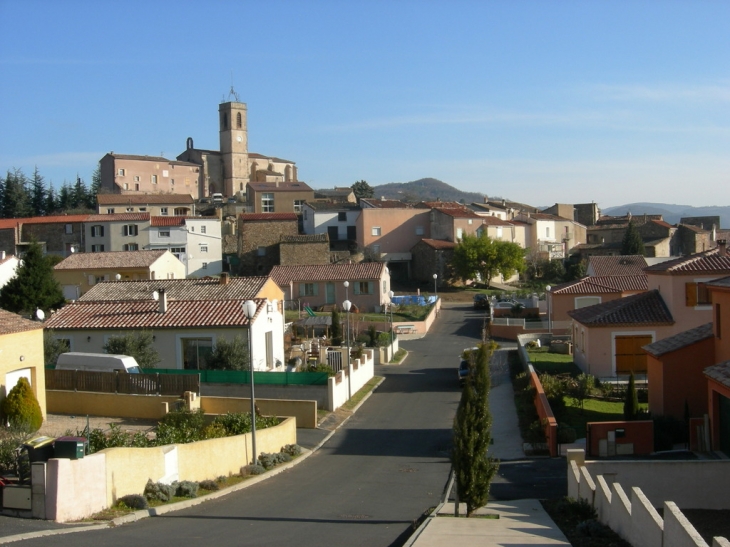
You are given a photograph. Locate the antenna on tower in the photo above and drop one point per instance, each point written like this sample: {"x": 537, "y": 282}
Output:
{"x": 233, "y": 91}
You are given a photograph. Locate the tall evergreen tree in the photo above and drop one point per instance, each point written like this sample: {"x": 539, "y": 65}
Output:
{"x": 362, "y": 189}
{"x": 473, "y": 468}
{"x": 632, "y": 244}
{"x": 631, "y": 402}
{"x": 33, "y": 286}
{"x": 336, "y": 327}
{"x": 37, "y": 194}
{"x": 80, "y": 194}
{"x": 65, "y": 197}
{"x": 51, "y": 204}
{"x": 15, "y": 197}
{"x": 95, "y": 188}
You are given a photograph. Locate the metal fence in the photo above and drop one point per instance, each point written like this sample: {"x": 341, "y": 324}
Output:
{"x": 115, "y": 382}
{"x": 244, "y": 377}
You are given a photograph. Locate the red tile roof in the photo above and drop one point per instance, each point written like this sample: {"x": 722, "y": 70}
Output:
{"x": 254, "y": 217}
{"x": 115, "y": 259}
{"x": 646, "y": 308}
{"x": 168, "y": 221}
{"x": 11, "y": 323}
{"x": 386, "y": 203}
{"x": 603, "y": 285}
{"x": 145, "y": 314}
{"x": 6, "y": 223}
{"x": 680, "y": 340}
{"x": 438, "y": 243}
{"x": 237, "y": 288}
{"x": 707, "y": 262}
{"x": 294, "y": 186}
{"x": 119, "y": 217}
{"x": 617, "y": 265}
{"x": 719, "y": 372}
{"x": 144, "y": 199}
{"x": 283, "y": 275}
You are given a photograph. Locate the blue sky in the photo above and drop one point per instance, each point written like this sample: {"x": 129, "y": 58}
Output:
{"x": 539, "y": 102}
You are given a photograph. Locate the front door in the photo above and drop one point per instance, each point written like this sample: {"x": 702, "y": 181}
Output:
{"x": 333, "y": 233}
{"x": 330, "y": 293}
{"x": 352, "y": 233}
{"x": 629, "y": 355}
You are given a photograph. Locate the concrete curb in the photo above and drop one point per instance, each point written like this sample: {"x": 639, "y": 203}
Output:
{"x": 177, "y": 506}
{"x": 399, "y": 362}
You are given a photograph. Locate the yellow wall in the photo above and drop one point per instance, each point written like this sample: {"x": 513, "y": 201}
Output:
{"x": 24, "y": 350}
{"x": 305, "y": 412}
{"x": 271, "y": 291}
{"x": 128, "y": 469}
{"x": 151, "y": 407}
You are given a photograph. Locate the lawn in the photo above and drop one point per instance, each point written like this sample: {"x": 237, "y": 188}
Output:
{"x": 400, "y": 315}
{"x": 552, "y": 363}
{"x": 594, "y": 410}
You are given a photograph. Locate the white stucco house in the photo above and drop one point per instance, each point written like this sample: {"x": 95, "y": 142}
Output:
{"x": 8, "y": 266}
{"x": 185, "y": 316}
{"x": 337, "y": 220}
{"x": 195, "y": 241}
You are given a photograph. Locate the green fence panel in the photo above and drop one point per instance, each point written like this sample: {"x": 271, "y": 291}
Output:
{"x": 242, "y": 377}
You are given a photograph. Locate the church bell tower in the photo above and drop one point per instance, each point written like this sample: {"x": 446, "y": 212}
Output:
{"x": 234, "y": 147}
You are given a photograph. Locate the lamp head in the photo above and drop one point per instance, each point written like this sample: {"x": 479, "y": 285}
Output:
{"x": 346, "y": 305}
{"x": 249, "y": 308}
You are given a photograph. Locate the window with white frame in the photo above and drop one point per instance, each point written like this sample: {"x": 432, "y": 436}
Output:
{"x": 267, "y": 203}
{"x": 110, "y": 211}
{"x": 130, "y": 209}
{"x": 172, "y": 182}
{"x": 375, "y": 231}
{"x": 308, "y": 289}
{"x": 202, "y": 229}
{"x": 459, "y": 233}
{"x": 136, "y": 178}
{"x": 163, "y": 210}
{"x": 130, "y": 230}
{"x": 97, "y": 230}
{"x": 203, "y": 248}
{"x": 499, "y": 232}
{"x": 163, "y": 232}
{"x": 131, "y": 247}
{"x": 153, "y": 179}
{"x": 120, "y": 172}
{"x": 179, "y": 252}
{"x": 126, "y": 186}
{"x": 298, "y": 203}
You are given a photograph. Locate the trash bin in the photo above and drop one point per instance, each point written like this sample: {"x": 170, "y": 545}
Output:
{"x": 73, "y": 448}
{"x": 40, "y": 449}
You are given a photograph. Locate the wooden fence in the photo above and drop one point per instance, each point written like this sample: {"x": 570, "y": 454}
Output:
{"x": 115, "y": 382}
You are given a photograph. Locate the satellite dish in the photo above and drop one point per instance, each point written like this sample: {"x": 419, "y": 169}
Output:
{"x": 118, "y": 277}
{"x": 40, "y": 314}
{"x": 155, "y": 295}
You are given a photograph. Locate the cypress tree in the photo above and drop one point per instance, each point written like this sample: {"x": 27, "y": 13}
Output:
{"x": 631, "y": 402}
{"x": 21, "y": 409}
{"x": 473, "y": 468}
{"x": 336, "y": 328}
{"x": 632, "y": 244}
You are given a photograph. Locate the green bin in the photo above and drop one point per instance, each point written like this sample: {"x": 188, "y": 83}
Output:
{"x": 72, "y": 448}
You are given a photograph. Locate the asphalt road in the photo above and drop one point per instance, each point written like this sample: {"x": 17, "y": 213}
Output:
{"x": 367, "y": 485}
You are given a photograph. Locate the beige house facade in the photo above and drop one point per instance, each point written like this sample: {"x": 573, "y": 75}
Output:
{"x": 278, "y": 197}
{"x": 134, "y": 174}
{"x": 387, "y": 230}
{"x": 116, "y": 232}
{"x": 154, "y": 204}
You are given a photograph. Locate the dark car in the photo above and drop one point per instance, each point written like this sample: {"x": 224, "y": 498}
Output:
{"x": 481, "y": 301}
{"x": 463, "y": 372}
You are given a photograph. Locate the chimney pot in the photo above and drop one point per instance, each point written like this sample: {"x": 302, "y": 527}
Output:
{"x": 224, "y": 279}
{"x": 163, "y": 300}
{"x": 722, "y": 247}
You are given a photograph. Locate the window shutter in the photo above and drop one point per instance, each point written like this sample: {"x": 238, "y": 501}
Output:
{"x": 91, "y": 279}
{"x": 370, "y": 287}
{"x": 316, "y": 288}
{"x": 357, "y": 287}
{"x": 101, "y": 231}
{"x": 691, "y": 294}
{"x": 301, "y": 289}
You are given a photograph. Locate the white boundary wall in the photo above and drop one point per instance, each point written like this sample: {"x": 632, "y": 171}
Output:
{"x": 611, "y": 488}
{"x": 360, "y": 372}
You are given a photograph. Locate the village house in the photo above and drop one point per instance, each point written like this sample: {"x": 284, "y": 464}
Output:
{"x": 57, "y": 235}
{"x": 259, "y": 235}
{"x": 278, "y": 197}
{"x": 338, "y": 220}
{"x": 195, "y": 241}
{"x": 154, "y": 204}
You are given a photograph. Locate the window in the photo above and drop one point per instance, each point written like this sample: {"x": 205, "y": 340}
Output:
{"x": 120, "y": 172}
{"x": 718, "y": 324}
{"x": 547, "y": 232}
{"x": 126, "y": 186}
{"x": 459, "y": 233}
{"x": 180, "y": 211}
{"x": 130, "y": 209}
{"x": 192, "y": 229}
{"x": 375, "y": 231}
{"x": 375, "y": 249}
{"x": 172, "y": 182}
{"x": 585, "y": 301}
{"x": 97, "y": 248}
{"x": 163, "y": 233}
{"x": 239, "y": 123}
{"x": 153, "y": 179}
{"x": 308, "y": 289}
{"x": 131, "y": 247}
{"x": 342, "y": 216}
{"x": 203, "y": 248}
{"x": 179, "y": 253}
{"x": 136, "y": 187}
{"x": 143, "y": 209}
{"x": 97, "y": 230}
{"x": 165, "y": 173}
{"x": 261, "y": 251}
{"x": 471, "y": 221}
{"x": 696, "y": 294}
{"x": 267, "y": 203}
{"x": 196, "y": 352}
{"x": 129, "y": 230}
{"x": 298, "y": 205}
{"x": 205, "y": 265}
{"x": 69, "y": 229}
{"x": 110, "y": 211}
{"x": 364, "y": 287}
{"x": 419, "y": 230}
{"x": 499, "y": 232}
{"x": 163, "y": 210}
{"x": 202, "y": 229}
{"x": 136, "y": 179}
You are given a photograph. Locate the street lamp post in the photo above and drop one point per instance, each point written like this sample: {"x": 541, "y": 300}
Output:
{"x": 249, "y": 308}
{"x": 391, "y": 294}
{"x": 547, "y": 297}
{"x": 346, "y": 306}
{"x": 347, "y": 292}
{"x": 435, "y": 277}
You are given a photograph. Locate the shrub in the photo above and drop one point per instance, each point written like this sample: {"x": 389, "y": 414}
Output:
{"x": 555, "y": 391}
{"x": 566, "y": 434}
{"x": 373, "y": 335}
{"x": 157, "y": 491}
{"x": 134, "y": 501}
{"x": 180, "y": 426}
{"x": 186, "y": 489}
{"x": 11, "y": 440}
{"x": 292, "y": 449}
{"x": 21, "y": 409}
{"x": 593, "y": 529}
{"x": 268, "y": 460}
{"x": 209, "y": 485}
{"x": 215, "y": 430}
{"x": 248, "y": 470}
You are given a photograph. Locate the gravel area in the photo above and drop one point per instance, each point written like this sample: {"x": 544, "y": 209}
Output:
{"x": 57, "y": 425}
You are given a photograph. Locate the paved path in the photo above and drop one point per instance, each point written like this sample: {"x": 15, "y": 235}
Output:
{"x": 507, "y": 441}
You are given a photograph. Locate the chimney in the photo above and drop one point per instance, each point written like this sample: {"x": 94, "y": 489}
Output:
{"x": 163, "y": 301}
{"x": 504, "y": 203}
{"x": 224, "y": 278}
{"x": 722, "y": 247}
{"x": 2, "y": 255}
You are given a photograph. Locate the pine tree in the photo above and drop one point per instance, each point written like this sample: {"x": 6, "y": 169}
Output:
{"x": 473, "y": 468}
{"x": 15, "y": 198}
{"x": 37, "y": 193}
{"x": 34, "y": 286}
{"x": 632, "y": 244}
{"x": 95, "y": 188}
{"x": 51, "y": 205}
{"x": 631, "y": 402}
{"x": 336, "y": 327}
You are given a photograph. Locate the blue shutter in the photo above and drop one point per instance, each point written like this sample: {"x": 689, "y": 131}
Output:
{"x": 316, "y": 288}
{"x": 357, "y": 287}
{"x": 370, "y": 288}
{"x": 301, "y": 289}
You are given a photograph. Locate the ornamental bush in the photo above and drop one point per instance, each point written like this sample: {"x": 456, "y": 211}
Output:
{"x": 21, "y": 409}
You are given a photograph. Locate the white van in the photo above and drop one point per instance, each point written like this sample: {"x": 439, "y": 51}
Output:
{"x": 99, "y": 362}
{"x": 217, "y": 198}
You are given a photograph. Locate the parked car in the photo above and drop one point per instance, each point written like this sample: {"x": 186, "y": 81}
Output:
{"x": 506, "y": 305}
{"x": 481, "y": 301}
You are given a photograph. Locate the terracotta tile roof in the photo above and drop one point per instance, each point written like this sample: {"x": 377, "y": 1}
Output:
{"x": 12, "y": 322}
{"x": 258, "y": 156}
{"x": 115, "y": 259}
{"x": 168, "y": 221}
{"x": 661, "y": 223}
{"x": 546, "y": 216}
{"x": 306, "y": 238}
{"x": 719, "y": 372}
{"x": 457, "y": 212}
{"x": 294, "y": 186}
{"x": 255, "y": 217}
{"x": 616, "y": 265}
{"x": 603, "y": 285}
{"x": 385, "y": 203}
{"x": 438, "y": 243}
{"x": 283, "y": 275}
{"x": 646, "y": 308}
{"x": 119, "y": 217}
{"x": 137, "y": 157}
{"x": 680, "y": 340}
{"x": 145, "y": 314}
{"x": 143, "y": 199}
{"x": 237, "y": 288}
{"x": 707, "y": 262}
{"x": 722, "y": 283}
{"x": 6, "y": 223}
{"x": 495, "y": 221}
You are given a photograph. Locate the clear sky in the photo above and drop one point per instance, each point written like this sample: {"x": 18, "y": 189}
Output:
{"x": 539, "y": 102}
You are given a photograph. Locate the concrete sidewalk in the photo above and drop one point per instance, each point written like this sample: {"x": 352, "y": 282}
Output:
{"x": 506, "y": 438}
{"x": 522, "y": 522}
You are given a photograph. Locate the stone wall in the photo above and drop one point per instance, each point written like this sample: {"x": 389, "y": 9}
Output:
{"x": 58, "y": 237}
{"x": 304, "y": 250}
{"x": 258, "y": 244}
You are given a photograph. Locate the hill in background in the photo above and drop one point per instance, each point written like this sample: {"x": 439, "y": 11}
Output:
{"x": 425, "y": 190}
{"x": 671, "y": 213}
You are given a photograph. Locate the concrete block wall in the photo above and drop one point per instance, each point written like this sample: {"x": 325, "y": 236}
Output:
{"x": 361, "y": 371}
{"x": 632, "y": 514}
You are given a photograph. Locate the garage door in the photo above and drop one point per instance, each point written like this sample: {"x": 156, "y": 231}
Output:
{"x": 11, "y": 378}
{"x": 629, "y": 355}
